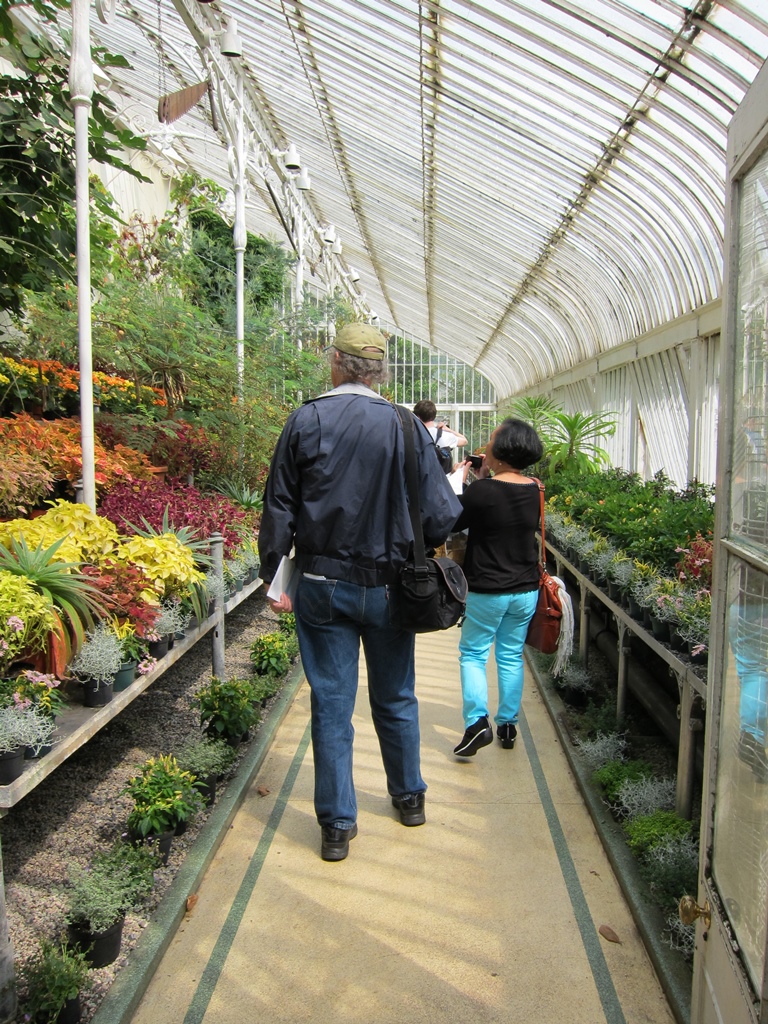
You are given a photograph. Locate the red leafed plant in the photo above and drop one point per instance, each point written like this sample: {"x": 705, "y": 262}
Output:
{"x": 695, "y": 565}
{"x": 122, "y": 586}
{"x": 130, "y": 504}
{"x": 57, "y": 444}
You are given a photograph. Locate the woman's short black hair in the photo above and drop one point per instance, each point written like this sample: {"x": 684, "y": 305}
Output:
{"x": 517, "y": 444}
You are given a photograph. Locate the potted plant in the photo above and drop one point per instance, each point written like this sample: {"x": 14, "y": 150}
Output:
{"x": 42, "y": 690}
{"x": 215, "y": 590}
{"x": 132, "y": 651}
{"x": 26, "y": 620}
{"x": 22, "y": 725}
{"x": 207, "y": 760}
{"x": 694, "y": 615}
{"x": 271, "y": 653}
{"x": 228, "y": 709}
{"x": 53, "y": 979}
{"x": 172, "y": 620}
{"x": 96, "y": 664}
{"x": 164, "y": 798}
{"x": 235, "y": 571}
{"x": 100, "y": 896}
{"x": 619, "y": 572}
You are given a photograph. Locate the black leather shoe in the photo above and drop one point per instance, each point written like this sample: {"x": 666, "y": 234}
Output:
{"x": 335, "y": 845}
{"x": 411, "y": 809}
{"x": 479, "y": 734}
{"x": 507, "y": 733}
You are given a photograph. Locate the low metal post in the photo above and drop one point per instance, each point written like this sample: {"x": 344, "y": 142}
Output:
{"x": 217, "y": 633}
{"x": 79, "y": 491}
{"x": 584, "y": 612}
{"x": 621, "y": 688}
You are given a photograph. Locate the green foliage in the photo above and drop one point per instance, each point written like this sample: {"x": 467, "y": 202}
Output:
{"x": 611, "y": 776}
{"x": 270, "y": 654}
{"x": 205, "y": 757}
{"x": 267, "y": 686}
{"x": 649, "y": 830}
{"x": 37, "y": 200}
{"x": 55, "y": 974}
{"x": 241, "y": 494}
{"x": 286, "y": 622}
{"x": 164, "y": 795}
{"x": 671, "y": 870}
{"x": 648, "y": 520}
{"x": 228, "y": 709}
{"x": 70, "y": 593}
{"x": 115, "y": 882}
{"x": 570, "y": 440}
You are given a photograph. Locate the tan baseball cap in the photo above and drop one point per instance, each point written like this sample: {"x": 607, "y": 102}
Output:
{"x": 361, "y": 340}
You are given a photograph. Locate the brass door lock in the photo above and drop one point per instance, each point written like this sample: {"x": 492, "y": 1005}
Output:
{"x": 689, "y": 910}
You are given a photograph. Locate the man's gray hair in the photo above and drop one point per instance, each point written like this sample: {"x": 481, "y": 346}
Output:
{"x": 353, "y": 368}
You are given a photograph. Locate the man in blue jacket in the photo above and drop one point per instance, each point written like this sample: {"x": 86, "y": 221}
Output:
{"x": 336, "y": 493}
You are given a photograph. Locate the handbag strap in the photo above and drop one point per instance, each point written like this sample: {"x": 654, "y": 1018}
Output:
{"x": 543, "y": 552}
{"x": 412, "y": 487}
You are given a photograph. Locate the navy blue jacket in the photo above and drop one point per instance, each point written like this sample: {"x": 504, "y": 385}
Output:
{"x": 336, "y": 489}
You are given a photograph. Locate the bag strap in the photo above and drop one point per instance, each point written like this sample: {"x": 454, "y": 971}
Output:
{"x": 412, "y": 487}
{"x": 437, "y": 434}
{"x": 543, "y": 552}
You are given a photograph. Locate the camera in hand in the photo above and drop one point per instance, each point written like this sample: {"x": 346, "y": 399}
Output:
{"x": 475, "y": 461}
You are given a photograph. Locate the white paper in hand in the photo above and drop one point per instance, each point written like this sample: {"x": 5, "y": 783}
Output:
{"x": 285, "y": 581}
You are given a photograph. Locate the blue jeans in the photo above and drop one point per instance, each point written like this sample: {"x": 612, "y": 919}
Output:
{"x": 332, "y": 617}
{"x": 502, "y": 618}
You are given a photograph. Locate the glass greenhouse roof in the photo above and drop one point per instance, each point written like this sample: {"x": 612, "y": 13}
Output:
{"x": 524, "y": 184}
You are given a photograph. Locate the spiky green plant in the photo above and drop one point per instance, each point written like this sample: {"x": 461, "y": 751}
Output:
{"x": 571, "y": 440}
{"x": 240, "y": 493}
{"x": 75, "y": 601}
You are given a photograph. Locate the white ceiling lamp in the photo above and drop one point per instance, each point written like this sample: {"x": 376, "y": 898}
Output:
{"x": 292, "y": 161}
{"x": 303, "y": 181}
{"x": 354, "y": 277}
{"x": 230, "y": 43}
{"x": 336, "y": 247}
{"x": 329, "y": 233}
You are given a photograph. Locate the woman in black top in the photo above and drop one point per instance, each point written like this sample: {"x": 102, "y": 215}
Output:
{"x": 501, "y": 566}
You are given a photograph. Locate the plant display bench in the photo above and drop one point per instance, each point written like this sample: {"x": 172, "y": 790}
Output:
{"x": 77, "y": 724}
{"x": 692, "y": 688}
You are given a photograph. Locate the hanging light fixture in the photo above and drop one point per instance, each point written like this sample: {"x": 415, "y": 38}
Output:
{"x": 292, "y": 161}
{"x": 231, "y": 44}
{"x": 303, "y": 181}
{"x": 336, "y": 247}
{"x": 329, "y": 233}
{"x": 354, "y": 277}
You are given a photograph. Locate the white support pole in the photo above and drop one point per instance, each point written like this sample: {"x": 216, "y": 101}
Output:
{"x": 81, "y": 91}
{"x": 240, "y": 237}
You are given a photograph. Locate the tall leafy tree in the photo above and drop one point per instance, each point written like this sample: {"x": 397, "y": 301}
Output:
{"x": 37, "y": 141}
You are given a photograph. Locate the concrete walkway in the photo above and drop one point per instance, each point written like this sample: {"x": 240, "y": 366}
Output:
{"x": 488, "y": 913}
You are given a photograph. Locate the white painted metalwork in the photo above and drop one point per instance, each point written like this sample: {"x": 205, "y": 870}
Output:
{"x": 524, "y": 184}
{"x": 81, "y": 91}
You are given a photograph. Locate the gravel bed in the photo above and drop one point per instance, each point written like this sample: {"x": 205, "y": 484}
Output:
{"x": 78, "y": 810}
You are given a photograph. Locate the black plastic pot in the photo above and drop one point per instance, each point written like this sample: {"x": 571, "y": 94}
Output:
{"x": 100, "y": 948}
{"x": 97, "y": 694}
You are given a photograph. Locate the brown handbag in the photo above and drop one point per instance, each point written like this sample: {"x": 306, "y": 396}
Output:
{"x": 544, "y": 628}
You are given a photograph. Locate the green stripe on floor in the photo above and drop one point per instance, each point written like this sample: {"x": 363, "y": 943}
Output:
{"x": 602, "y": 977}
{"x": 220, "y": 952}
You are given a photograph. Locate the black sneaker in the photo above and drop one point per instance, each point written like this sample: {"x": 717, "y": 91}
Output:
{"x": 411, "y": 808}
{"x": 507, "y": 733}
{"x": 479, "y": 734}
{"x": 335, "y": 845}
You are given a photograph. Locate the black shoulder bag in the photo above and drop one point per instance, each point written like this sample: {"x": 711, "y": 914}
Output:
{"x": 432, "y": 592}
